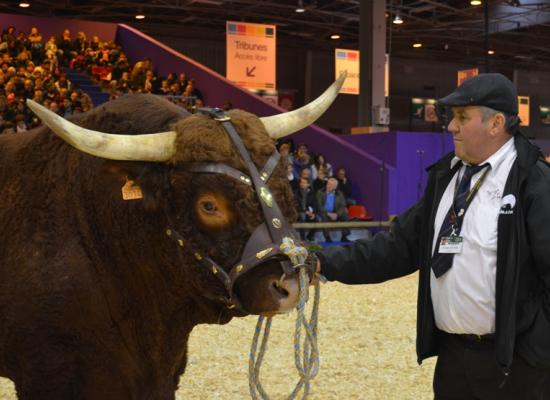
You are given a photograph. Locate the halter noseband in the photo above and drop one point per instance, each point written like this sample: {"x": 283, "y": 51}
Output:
{"x": 274, "y": 238}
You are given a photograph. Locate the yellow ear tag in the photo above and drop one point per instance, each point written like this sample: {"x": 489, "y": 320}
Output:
{"x": 131, "y": 191}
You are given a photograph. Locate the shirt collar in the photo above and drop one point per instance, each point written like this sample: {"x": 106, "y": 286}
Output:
{"x": 493, "y": 160}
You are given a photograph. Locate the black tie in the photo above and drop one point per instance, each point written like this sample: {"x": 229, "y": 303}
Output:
{"x": 442, "y": 262}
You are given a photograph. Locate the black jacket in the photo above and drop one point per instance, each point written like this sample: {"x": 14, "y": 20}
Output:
{"x": 310, "y": 200}
{"x": 522, "y": 320}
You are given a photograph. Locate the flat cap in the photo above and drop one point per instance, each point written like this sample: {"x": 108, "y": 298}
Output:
{"x": 490, "y": 90}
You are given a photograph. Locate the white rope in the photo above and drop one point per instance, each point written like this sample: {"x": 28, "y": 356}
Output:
{"x": 306, "y": 359}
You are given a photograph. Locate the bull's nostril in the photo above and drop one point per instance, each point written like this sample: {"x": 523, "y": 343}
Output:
{"x": 279, "y": 289}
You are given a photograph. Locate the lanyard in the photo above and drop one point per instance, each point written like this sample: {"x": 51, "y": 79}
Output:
{"x": 457, "y": 216}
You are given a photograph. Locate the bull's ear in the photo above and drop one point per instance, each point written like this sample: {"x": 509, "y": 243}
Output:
{"x": 136, "y": 181}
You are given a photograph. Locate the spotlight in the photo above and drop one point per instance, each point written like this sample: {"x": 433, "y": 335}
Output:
{"x": 417, "y": 45}
{"x": 397, "y": 19}
{"x": 300, "y": 7}
{"x": 476, "y": 2}
{"x": 24, "y": 5}
{"x": 139, "y": 16}
{"x": 335, "y": 36}
{"x": 491, "y": 52}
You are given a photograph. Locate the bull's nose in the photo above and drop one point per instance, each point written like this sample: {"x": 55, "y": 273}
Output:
{"x": 286, "y": 292}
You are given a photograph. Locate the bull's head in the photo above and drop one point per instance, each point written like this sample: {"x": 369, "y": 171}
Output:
{"x": 221, "y": 209}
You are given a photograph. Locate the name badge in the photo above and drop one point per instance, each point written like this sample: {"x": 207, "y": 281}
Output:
{"x": 451, "y": 244}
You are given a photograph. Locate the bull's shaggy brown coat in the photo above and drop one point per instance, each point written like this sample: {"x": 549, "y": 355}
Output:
{"x": 95, "y": 301}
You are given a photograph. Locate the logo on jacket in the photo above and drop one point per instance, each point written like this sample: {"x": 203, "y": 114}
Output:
{"x": 507, "y": 204}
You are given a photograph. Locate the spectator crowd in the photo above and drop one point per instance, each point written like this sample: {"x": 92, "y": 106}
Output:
{"x": 321, "y": 194}
{"x": 32, "y": 67}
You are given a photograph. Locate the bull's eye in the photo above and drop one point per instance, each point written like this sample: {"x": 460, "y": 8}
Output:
{"x": 208, "y": 206}
{"x": 214, "y": 211}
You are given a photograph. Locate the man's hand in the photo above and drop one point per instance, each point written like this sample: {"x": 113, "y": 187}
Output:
{"x": 332, "y": 216}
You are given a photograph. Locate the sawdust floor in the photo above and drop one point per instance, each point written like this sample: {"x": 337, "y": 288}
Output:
{"x": 366, "y": 341}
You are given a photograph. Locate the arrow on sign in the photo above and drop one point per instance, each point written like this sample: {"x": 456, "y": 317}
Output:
{"x": 250, "y": 71}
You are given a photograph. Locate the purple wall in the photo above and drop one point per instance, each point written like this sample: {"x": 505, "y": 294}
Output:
{"x": 409, "y": 154}
{"x": 55, "y": 26}
{"x": 368, "y": 174}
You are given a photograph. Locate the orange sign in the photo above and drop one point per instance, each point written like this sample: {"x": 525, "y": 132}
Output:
{"x": 523, "y": 110}
{"x": 466, "y": 74}
{"x": 251, "y": 52}
{"x": 348, "y": 60}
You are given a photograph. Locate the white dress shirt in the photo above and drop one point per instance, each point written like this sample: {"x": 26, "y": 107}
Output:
{"x": 464, "y": 297}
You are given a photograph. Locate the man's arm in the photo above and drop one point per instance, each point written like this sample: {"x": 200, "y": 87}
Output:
{"x": 538, "y": 222}
{"x": 386, "y": 256}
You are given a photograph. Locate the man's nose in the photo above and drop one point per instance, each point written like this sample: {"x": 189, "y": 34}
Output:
{"x": 452, "y": 127}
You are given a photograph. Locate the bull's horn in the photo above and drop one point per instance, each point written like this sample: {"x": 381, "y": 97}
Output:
{"x": 152, "y": 147}
{"x": 282, "y": 125}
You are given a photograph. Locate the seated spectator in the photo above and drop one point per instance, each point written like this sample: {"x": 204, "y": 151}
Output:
{"x": 319, "y": 162}
{"x": 151, "y": 84}
{"x": 290, "y": 176}
{"x": 80, "y": 43}
{"x": 332, "y": 207}
{"x": 63, "y": 83}
{"x": 120, "y": 67}
{"x": 302, "y": 159}
{"x": 307, "y": 207}
{"x": 51, "y": 48}
{"x": 192, "y": 91}
{"x": 284, "y": 151}
{"x": 65, "y": 49}
{"x": 182, "y": 81}
{"x": 304, "y": 174}
{"x": 164, "y": 87}
{"x": 320, "y": 182}
{"x": 345, "y": 186}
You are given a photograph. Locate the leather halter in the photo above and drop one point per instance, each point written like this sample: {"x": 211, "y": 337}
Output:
{"x": 268, "y": 238}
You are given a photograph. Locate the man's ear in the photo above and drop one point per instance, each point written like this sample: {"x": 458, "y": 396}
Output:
{"x": 141, "y": 182}
{"x": 498, "y": 123}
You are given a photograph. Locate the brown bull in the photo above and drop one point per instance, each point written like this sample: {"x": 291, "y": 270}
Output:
{"x": 96, "y": 302}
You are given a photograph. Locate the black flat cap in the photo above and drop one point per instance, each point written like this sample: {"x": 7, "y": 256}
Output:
{"x": 490, "y": 90}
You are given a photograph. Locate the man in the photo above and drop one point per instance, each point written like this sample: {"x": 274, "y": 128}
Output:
{"x": 332, "y": 207}
{"x": 306, "y": 207}
{"x": 480, "y": 238}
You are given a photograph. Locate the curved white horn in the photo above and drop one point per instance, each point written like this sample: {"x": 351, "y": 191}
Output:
{"x": 284, "y": 124}
{"x": 152, "y": 147}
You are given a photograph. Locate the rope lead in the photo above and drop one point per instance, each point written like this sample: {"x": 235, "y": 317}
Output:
{"x": 306, "y": 359}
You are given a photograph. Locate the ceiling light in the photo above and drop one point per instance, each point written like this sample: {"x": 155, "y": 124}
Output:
{"x": 397, "y": 19}
{"x": 417, "y": 45}
{"x": 491, "y": 52}
{"x": 139, "y": 16}
{"x": 300, "y": 7}
{"x": 24, "y": 5}
{"x": 335, "y": 36}
{"x": 476, "y": 2}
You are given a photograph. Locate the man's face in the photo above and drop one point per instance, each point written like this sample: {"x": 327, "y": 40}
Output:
{"x": 470, "y": 133}
{"x": 332, "y": 184}
{"x": 305, "y": 174}
{"x": 304, "y": 184}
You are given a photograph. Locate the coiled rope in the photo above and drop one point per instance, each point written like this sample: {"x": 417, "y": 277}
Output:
{"x": 306, "y": 358}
